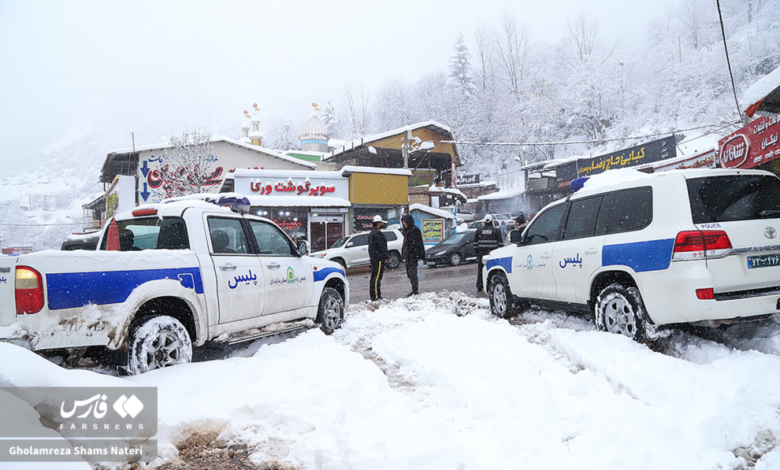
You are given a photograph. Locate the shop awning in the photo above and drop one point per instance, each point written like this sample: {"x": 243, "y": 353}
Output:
{"x": 298, "y": 201}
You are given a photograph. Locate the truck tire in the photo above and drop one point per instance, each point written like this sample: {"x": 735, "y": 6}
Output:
{"x": 331, "y": 310}
{"x": 158, "y": 342}
{"x": 620, "y": 310}
{"x": 500, "y": 297}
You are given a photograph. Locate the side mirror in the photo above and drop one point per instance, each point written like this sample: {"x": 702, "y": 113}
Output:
{"x": 303, "y": 247}
{"x": 516, "y": 236}
{"x": 349, "y": 244}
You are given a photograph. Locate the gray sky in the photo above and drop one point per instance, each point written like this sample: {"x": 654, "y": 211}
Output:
{"x": 76, "y": 71}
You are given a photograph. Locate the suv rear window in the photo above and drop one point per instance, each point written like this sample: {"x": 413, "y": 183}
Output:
{"x": 170, "y": 233}
{"x": 391, "y": 236}
{"x": 730, "y": 198}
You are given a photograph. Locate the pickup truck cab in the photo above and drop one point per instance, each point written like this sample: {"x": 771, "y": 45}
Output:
{"x": 167, "y": 277}
{"x": 685, "y": 246}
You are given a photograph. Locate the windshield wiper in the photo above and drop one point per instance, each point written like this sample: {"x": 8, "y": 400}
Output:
{"x": 769, "y": 213}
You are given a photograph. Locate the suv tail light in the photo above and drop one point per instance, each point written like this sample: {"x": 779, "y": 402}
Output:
{"x": 29, "y": 290}
{"x": 701, "y": 244}
{"x": 705, "y": 294}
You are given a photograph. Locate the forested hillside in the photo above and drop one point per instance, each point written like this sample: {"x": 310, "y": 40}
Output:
{"x": 508, "y": 87}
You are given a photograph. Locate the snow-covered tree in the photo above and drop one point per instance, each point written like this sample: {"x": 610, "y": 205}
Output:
{"x": 357, "y": 109}
{"x": 282, "y": 136}
{"x": 187, "y": 168}
{"x": 330, "y": 120}
{"x": 461, "y": 78}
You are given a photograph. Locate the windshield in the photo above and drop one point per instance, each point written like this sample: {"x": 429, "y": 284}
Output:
{"x": 340, "y": 242}
{"x": 454, "y": 239}
{"x": 737, "y": 197}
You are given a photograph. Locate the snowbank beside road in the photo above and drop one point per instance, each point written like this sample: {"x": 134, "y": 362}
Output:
{"x": 434, "y": 381}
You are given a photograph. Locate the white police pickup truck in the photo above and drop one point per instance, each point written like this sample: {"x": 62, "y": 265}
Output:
{"x": 676, "y": 247}
{"x": 167, "y": 277}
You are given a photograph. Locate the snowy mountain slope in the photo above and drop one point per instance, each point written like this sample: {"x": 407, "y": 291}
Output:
{"x": 436, "y": 382}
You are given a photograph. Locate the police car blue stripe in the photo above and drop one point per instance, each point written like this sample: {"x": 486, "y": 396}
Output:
{"x": 655, "y": 255}
{"x": 72, "y": 290}
{"x": 321, "y": 274}
{"x": 505, "y": 263}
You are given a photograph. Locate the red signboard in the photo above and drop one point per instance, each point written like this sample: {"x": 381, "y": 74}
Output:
{"x": 752, "y": 145}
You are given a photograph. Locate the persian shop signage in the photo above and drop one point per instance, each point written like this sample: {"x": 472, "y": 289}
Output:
{"x": 466, "y": 179}
{"x": 752, "y": 145}
{"x": 650, "y": 152}
{"x": 275, "y": 186}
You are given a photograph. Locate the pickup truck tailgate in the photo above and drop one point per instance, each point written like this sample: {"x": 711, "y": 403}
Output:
{"x": 7, "y": 299}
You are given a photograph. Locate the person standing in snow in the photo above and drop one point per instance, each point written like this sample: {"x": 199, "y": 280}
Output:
{"x": 502, "y": 227}
{"x": 378, "y": 255}
{"x": 413, "y": 251}
{"x": 520, "y": 222}
{"x": 486, "y": 239}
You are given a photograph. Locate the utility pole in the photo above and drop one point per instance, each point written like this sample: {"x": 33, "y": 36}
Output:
{"x": 405, "y": 147}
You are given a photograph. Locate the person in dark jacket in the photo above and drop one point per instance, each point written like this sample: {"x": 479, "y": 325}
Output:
{"x": 413, "y": 251}
{"x": 486, "y": 239}
{"x": 378, "y": 255}
{"x": 520, "y": 222}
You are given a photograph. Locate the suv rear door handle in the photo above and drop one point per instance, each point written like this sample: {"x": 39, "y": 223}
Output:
{"x": 272, "y": 266}
{"x": 591, "y": 251}
{"x": 227, "y": 267}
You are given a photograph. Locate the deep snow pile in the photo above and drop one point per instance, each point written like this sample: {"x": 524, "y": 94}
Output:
{"x": 436, "y": 382}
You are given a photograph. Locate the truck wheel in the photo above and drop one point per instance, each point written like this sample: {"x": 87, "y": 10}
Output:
{"x": 620, "y": 310}
{"x": 331, "y": 310}
{"x": 158, "y": 342}
{"x": 395, "y": 260}
{"x": 498, "y": 291}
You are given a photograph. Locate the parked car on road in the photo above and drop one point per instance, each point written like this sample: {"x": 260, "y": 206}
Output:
{"x": 675, "y": 247}
{"x": 454, "y": 250}
{"x": 467, "y": 215}
{"x": 352, "y": 251}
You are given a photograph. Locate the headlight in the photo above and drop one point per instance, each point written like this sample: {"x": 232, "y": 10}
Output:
{"x": 318, "y": 255}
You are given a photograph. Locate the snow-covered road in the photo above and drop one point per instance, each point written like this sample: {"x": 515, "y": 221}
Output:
{"x": 435, "y": 382}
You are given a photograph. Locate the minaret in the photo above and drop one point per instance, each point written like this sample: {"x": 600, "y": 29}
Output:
{"x": 256, "y": 136}
{"x": 314, "y": 135}
{"x": 245, "y": 129}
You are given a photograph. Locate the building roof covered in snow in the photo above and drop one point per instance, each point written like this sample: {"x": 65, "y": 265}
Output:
{"x": 763, "y": 98}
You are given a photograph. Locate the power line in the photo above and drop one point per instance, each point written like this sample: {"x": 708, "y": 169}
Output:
{"x": 531, "y": 144}
{"x": 728, "y": 61}
{"x": 37, "y": 225}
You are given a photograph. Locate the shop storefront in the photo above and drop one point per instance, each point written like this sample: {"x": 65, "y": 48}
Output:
{"x": 323, "y": 206}
{"x": 376, "y": 191}
{"x": 309, "y": 205}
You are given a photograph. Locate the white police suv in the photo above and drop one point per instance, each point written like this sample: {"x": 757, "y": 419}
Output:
{"x": 676, "y": 247}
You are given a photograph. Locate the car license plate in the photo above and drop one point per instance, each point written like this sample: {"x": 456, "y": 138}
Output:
{"x": 763, "y": 261}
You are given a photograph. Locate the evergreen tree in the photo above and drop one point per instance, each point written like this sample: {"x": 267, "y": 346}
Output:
{"x": 461, "y": 77}
{"x": 329, "y": 119}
